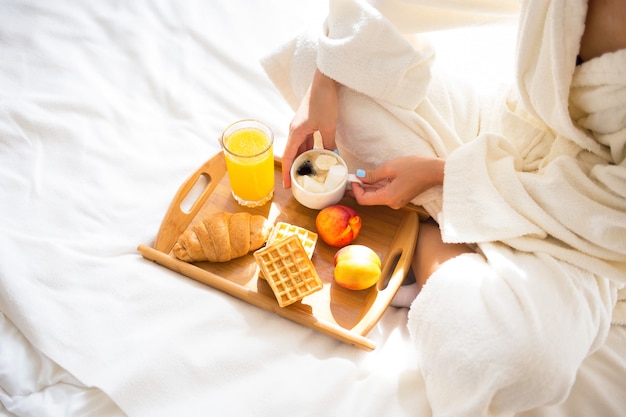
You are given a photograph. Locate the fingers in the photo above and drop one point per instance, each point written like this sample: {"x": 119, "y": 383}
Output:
{"x": 385, "y": 195}
{"x": 370, "y": 196}
{"x": 289, "y": 155}
{"x": 378, "y": 187}
{"x": 286, "y": 167}
{"x": 302, "y": 139}
{"x": 299, "y": 141}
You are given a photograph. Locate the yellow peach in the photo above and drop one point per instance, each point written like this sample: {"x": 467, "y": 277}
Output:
{"x": 357, "y": 267}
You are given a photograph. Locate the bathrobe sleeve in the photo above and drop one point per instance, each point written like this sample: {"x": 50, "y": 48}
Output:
{"x": 375, "y": 48}
{"x": 550, "y": 175}
{"x": 569, "y": 210}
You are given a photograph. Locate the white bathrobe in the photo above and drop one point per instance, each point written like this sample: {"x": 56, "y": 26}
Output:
{"x": 536, "y": 179}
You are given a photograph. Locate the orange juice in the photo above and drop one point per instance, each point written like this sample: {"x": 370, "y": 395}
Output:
{"x": 249, "y": 162}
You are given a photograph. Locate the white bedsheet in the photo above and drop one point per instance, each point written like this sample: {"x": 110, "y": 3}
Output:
{"x": 105, "y": 108}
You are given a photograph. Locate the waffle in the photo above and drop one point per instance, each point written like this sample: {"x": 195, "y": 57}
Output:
{"x": 288, "y": 270}
{"x": 282, "y": 230}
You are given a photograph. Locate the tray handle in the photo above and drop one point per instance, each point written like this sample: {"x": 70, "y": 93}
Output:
{"x": 176, "y": 220}
{"x": 402, "y": 248}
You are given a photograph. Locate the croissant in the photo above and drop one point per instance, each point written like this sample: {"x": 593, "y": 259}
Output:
{"x": 221, "y": 237}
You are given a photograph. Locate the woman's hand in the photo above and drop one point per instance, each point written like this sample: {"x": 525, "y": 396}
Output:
{"x": 395, "y": 183}
{"x": 318, "y": 111}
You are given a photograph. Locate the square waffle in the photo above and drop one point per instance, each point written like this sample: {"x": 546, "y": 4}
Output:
{"x": 288, "y": 270}
{"x": 281, "y": 230}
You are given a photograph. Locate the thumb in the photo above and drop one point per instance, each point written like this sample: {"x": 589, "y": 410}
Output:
{"x": 372, "y": 176}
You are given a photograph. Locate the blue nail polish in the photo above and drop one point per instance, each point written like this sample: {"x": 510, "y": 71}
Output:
{"x": 360, "y": 173}
{"x": 336, "y": 151}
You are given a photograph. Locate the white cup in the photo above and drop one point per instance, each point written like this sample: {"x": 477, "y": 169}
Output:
{"x": 318, "y": 200}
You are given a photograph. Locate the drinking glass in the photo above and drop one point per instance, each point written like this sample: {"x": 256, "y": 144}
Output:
{"x": 249, "y": 154}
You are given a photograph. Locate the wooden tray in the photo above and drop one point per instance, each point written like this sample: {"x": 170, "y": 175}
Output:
{"x": 340, "y": 313}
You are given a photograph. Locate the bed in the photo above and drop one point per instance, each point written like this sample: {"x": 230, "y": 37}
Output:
{"x": 105, "y": 109}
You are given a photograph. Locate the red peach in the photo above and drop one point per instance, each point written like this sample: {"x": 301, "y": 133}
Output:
{"x": 338, "y": 225}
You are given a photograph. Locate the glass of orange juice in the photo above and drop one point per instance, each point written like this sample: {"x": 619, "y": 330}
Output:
{"x": 248, "y": 150}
